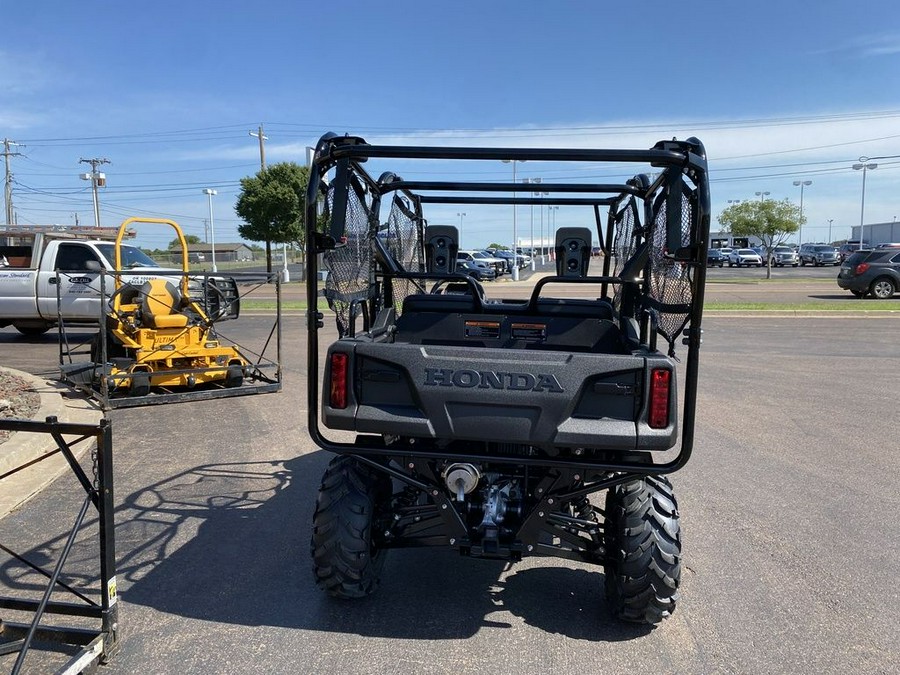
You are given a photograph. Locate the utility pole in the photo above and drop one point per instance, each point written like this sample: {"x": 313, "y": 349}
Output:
{"x": 262, "y": 147}
{"x": 285, "y": 275}
{"x": 7, "y": 153}
{"x": 97, "y": 180}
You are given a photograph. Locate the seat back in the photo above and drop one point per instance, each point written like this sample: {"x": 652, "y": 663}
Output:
{"x": 160, "y": 307}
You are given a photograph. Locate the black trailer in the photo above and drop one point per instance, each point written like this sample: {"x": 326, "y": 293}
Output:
{"x": 491, "y": 425}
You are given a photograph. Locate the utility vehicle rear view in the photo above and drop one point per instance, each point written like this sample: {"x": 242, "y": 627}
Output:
{"x": 506, "y": 425}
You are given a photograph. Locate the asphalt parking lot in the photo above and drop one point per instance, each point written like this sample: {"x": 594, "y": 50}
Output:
{"x": 790, "y": 545}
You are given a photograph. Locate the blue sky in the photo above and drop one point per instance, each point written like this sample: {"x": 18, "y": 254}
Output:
{"x": 168, "y": 92}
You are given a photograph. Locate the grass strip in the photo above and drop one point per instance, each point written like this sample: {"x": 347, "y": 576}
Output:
{"x": 849, "y": 306}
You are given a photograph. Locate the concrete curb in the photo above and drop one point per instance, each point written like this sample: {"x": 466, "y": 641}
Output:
{"x": 57, "y": 401}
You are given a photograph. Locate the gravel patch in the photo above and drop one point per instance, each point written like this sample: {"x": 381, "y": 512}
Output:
{"x": 18, "y": 399}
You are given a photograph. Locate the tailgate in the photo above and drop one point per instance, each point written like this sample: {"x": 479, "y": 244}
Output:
{"x": 541, "y": 398}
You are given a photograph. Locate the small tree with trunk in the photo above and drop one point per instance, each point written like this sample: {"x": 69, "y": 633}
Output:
{"x": 273, "y": 206}
{"x": 772, "y": 222}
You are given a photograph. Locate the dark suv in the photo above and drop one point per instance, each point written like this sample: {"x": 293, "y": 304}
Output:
{"x": 849, "y": 248}
{"x": 819, "y": 254}
{"x": 876, "y": 272}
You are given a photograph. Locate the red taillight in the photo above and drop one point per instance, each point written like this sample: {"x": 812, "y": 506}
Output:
{"x": 862, "y": 267}
{"x": 338, "y": 397}
{"x": 660, "y": 379}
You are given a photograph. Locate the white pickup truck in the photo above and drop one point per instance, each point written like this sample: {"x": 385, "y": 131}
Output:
{"x": 45, "y": 275}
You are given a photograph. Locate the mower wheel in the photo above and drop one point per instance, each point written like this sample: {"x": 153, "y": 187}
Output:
{"x": 352, "y": 500}
{"x": 140, "y": 385}
{"x": 643, "y": 550}
{"x": 234, "y": 377}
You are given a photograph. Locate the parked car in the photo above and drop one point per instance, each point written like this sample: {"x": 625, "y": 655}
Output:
{"x": 849, "y": 248}
{"x": 783, "y": 256}
{"x": 508, "y": 257}
{"x": 477, "y": 270}
{"x": 744, "y": 256}
{"x": 818, "y": 255}
{"x": 888, "y": 245}
{"x": 876, "y": 272}
{"x": 715, "y": 258}
{"x": 726, "y": 251}
{"x": 499, "y": 264}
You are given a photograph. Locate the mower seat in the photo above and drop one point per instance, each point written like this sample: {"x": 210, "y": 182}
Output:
{"x": 160, "y": 305}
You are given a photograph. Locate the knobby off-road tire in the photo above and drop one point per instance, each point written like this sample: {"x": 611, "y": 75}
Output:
{"x": 643, "y": 549}
{"x": 352, "y": 498}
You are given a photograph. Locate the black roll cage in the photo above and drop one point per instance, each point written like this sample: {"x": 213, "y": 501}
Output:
{"x": 674, "y": 160}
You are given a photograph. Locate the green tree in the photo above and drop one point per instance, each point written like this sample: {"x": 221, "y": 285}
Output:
{"x": 769, "y": 220}
{"x": 189, "y": 238}
{"x": 272, "y": 205}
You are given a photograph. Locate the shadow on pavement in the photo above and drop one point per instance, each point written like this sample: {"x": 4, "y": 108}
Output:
{"x": 229, "y": 543}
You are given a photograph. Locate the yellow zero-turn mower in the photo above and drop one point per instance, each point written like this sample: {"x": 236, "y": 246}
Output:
{"x": 158, "y": 335}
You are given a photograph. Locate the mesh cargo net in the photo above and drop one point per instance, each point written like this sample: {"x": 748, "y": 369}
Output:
{"x": 349, "y": 264}
{"x": 624, "y": 244}
{"x": 671, "y": 281}
{"x": 404, "y": 241}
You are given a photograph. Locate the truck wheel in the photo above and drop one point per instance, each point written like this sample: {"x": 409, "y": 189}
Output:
{"x": 352, "y": 501}
{"x": 882, "y": 288}
{"x": 643, "y": 550}
{"x": 31, "y": 330}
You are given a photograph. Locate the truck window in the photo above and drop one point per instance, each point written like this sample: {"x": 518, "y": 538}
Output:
{"x": 74, "y": 257}
{"x": 131, "y": 256}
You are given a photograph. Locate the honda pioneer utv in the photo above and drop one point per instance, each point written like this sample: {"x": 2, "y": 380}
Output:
{"x": 491, "y": 424}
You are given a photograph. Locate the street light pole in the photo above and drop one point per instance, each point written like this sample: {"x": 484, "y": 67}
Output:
{"x": 542, "y": 194}
{"x": 733, "y": 201}
{"x": 802, "y": 184}
{"x": 209, "y": 192}
{"x": 535, "y": 181}
{"x": 515, "y": 267}
{"x": 554, "y": 209}
{"x": 830, "y": 221}
{"x": 461, "y": 216}
{"x": 865, "y": 165}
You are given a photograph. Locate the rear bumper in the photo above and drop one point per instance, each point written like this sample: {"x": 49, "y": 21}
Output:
{"x": 853, "y": 283}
